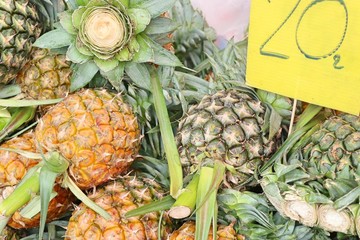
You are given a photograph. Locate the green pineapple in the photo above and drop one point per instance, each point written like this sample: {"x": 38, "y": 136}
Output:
{"x": 21, "y": 23}
{"x": 319, "y": 184}
{"x": 20, "y": 27}
{"x": 225, "y": 126}
{"x": 193, "y": 37}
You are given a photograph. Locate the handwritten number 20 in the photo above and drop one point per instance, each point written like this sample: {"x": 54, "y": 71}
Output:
{"x": 301, "y": 48}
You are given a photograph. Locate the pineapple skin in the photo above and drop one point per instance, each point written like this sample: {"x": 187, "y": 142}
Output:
{"x": 95, "y": 131}
{"x": 117, "y": 198}
{"x": 46, "y": 76}
{"x": 20, "y": 27}
{"x": 58, "y": 206}
{"x": 13, "y": 168}
{"x": 225, "y": 126}
{"x": 187, "y": 232}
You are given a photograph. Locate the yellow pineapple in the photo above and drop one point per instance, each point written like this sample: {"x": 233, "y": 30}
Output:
{"x": 187, "y": 232}
{"x": 13, "y": 168}
{"x": 117, "y": 198}
{"x": 95, "y": 131}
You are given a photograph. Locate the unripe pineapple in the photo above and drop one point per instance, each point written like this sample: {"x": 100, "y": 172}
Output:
{"x": 225, "y": 126}
{"x": 117, "y": 198}
{"x": 95, "y": 131}
{"x": 46, "y": 76}
{"x": 187, "y": 232}
{"x": 323, "y": 190}
{"x": 20, "y": 27}
{"x": 14, "y": 167}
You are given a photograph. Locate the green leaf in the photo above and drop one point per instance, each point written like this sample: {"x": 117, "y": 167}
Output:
{"x": 154, "y": 7}
{"x": 18, "y": 118}
{"x": 161, "y": 25}
{"x": 82, "y": 75}
{"x": 145, "y": 53}
{"x": 347, "y": 199}
{"x": 275, "y": 123}
{"x": 67, "y": 182}
{"x": 47, "y": 180}
{"x": 207, "y": 203}
{"x": 34, "y": 206}
{"x": 27, "y": 103}
{"x": 115, "y": 76}
{"x": 66, "y": 22}
{"x": 163, "y": 204}
{"x": 106, "y": 65}
{"x": 139, "y": 74}
{"x": 76, "y": 16}
{"x": 167, "y": 135}
{"x": 9, "y": 90}
{"x": 161, "y": 55}
{"x": 56, "y": 38}
{"x": 140, "y": 18}
{"x": 75, "y": 56}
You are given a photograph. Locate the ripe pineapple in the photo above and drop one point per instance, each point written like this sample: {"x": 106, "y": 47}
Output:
{"x": 323, "y": 189}
{"x": 117, "y": 198}
{"x": 46, "y": 76}
{"x": 8, "y": 234}
{"x": 20, "y": 27}
{"x": 187, "y": 232}
{"x": 57, "y": 207}
{"x": 13, "y": 168}
{"x": 95, "y": 131}
{"x": 225, "y": 126}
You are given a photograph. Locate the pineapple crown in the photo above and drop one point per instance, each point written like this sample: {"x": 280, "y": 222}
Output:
{"x": 87, "y": 31}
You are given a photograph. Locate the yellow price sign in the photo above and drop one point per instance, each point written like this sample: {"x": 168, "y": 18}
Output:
{"x": 307, "y": 50}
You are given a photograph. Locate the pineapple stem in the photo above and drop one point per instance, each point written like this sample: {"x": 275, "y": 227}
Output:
{"x": 186, "y": 201}
{"x": 167, "y": 136}
{"x": 292, "y": 116}
{"x": 21, "y": 195}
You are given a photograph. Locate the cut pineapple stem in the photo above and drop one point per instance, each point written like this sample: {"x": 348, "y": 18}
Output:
{"x": 167, "y": 136}
{"x": 186, "y": 201}
{"x": 21, "y": 195}
{"x": 205, "y": 203}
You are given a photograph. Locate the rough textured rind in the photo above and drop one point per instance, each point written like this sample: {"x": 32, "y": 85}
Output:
{"x": 13, "y": 168}
{"x": 95, "y": 131}
{"x": 187, "y": 232}
{"x": 46, "y": 76}
{"x": 19, "y": 28}
{"x": 225, "y": 126}
{"x": 117, "y": 198}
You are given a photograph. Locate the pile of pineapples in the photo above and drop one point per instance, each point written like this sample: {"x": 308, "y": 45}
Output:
{"x": 121, "y": 119}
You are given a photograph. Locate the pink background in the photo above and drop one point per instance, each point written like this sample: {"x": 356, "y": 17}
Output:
{"x": 230, "y": 18}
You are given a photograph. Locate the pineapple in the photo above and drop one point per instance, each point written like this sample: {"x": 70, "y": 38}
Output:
{"x": 117, "y": 198}
{"x": 319, "y": 185}
{"x": 187, "y": 232}
{"x": 193, "y": 37}
{"x": 20, "y": 27}
{"x": 46, "y": 76}
{"x": 95, "y": 131}
{"x": 58, "y": 206}
{"x": 14, "y": 167}
{"x": 8, "y": 234}
{"x": 225, "y": 126}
